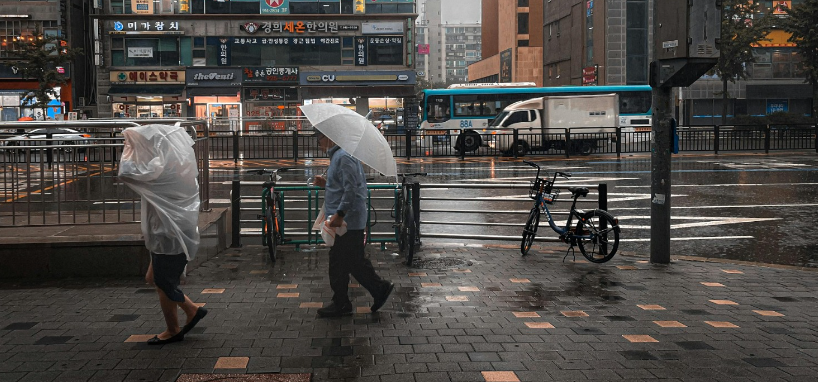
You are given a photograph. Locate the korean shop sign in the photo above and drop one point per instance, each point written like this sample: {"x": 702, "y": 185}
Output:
{"x": 213, "y": 77}
{"x": 270, "y": 74}
{"x": 129, "y": 77}
{"x": 296, "y": 27}
{"x": 140, "y": 27}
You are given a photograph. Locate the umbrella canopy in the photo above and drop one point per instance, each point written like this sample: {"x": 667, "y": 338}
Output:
{"x": 353, "y": 133}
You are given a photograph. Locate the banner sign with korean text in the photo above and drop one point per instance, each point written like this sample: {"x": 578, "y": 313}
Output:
{"x": 297, "y": 27}
{"x": 130, "y": 77}
{"x": 270, "y": 74}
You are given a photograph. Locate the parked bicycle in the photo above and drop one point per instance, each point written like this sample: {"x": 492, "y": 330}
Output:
{"x": 272, "y": 207}
{"x": 596, "y": 232}
{"x": 407, "y": 206}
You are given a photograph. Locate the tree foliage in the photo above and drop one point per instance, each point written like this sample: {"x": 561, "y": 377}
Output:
{"x": 741, "y": 29}
{"x": 38, "y": 57}
{"x": 802, "y": 23}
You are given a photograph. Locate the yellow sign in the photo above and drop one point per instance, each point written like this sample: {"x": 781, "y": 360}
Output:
{"x": 777, "y": 38}
{"x": 360, "y": 7}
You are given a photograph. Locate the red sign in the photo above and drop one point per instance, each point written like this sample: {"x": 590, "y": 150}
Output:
{"x": 423, "y": 48}
{"x": 589, "y": 75}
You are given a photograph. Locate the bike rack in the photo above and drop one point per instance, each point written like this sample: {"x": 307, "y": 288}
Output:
{"x": 301, "y": 205}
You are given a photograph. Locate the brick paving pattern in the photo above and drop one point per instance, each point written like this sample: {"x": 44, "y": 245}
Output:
{"x": 500, "y": 318}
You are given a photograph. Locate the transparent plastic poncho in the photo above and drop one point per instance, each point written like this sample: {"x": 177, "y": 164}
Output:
{"x": 159, "y": 164}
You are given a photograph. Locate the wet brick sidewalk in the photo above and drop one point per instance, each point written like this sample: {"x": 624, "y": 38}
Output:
{"x": 474, "y": 314}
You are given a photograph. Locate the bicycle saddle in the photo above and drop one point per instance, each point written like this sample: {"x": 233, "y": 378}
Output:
{"x": 580, "y": 191}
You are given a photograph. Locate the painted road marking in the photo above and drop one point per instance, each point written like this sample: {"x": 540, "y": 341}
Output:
{"x": 708, "y": 221}
{"x": 693, "y": 238}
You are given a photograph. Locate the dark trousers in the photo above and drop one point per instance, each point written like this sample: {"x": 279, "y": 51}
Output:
{"x": 347, "y": 257}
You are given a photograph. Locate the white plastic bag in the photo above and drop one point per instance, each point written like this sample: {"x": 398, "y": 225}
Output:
{"x": 329, "y": 233}
{"x": 159, "y": 164}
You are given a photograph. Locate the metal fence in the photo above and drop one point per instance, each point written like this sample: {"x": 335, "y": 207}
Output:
{"x": 298, "y": 144}
{"x": 446, "y": 211}
{"x": 59, "y": 181}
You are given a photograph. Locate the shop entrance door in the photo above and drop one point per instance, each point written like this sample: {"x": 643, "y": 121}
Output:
{"x": 224, "y": 116}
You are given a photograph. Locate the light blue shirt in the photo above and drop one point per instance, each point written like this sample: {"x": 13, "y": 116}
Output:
{"x": 346, "y": 189}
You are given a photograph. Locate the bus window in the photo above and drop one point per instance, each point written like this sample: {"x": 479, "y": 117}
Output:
{"x": 437, "y": 109}
{"x": 634, "y": 102}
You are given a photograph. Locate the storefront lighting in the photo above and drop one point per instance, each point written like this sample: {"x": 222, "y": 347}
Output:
{"x": 14, "y": 16}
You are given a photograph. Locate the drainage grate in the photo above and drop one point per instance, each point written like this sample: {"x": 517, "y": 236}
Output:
{"x": 439, "y": 262}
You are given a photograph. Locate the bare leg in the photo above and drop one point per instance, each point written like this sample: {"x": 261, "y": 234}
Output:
{"x": 171, "y": 316}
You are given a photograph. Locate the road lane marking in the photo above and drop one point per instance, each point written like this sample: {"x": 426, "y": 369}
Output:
{"x": 647, "y": 239}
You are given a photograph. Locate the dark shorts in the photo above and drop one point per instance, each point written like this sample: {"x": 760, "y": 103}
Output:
{"x": 167, "y": 269}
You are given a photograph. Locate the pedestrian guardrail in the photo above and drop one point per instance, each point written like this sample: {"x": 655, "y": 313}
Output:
{"x": 61, "y": 181}
{"x": 301, "y": 205}
{"x": 299, "y": 144}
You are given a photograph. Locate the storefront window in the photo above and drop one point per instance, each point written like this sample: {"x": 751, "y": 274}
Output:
{"x": 775, "y": 63}
{"x": 385, "y": 50}
{"x": 147, "y": 107}
{"x": 279, "y": 51}
{"x": 119, "y": 7}
{"x": 155, "y": 51}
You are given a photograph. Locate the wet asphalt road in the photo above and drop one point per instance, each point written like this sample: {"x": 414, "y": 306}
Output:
{"x": 751, "y": 207}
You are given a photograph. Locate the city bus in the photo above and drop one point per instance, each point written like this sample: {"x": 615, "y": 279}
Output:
{"x": 471, "y": 108}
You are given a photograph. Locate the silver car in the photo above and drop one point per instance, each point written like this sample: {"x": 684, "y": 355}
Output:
{"x": 59, "y": 136}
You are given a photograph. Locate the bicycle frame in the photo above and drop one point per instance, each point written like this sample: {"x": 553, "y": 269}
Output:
{"x": 566, "y": 232}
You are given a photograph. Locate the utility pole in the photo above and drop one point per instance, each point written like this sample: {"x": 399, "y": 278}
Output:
{"x": 685, "y": 48}
{"x": 660, "y": 161}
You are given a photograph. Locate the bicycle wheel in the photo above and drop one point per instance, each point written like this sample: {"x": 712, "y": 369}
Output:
{"x": 596, "y": 243}
{"x": 530, "y": 230}
{"x": 410, "y": 232}
{"x": 270, "y": 232}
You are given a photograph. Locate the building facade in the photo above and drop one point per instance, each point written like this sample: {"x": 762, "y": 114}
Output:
{"x": 512, "y": 44}
{"x": 774, "y": 83}
{"x": 445, "y": 48}
{"x": 24, "y": 19}
{"x": 245, "y": 59}
{"x": 589, "y": 42}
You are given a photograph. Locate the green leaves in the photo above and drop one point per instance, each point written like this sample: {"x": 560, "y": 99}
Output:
{"x": 741, "y": 29}
{"x": 38, "y": 57}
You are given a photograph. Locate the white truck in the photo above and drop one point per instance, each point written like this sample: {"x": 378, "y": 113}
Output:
{"x": 541, "y": 123}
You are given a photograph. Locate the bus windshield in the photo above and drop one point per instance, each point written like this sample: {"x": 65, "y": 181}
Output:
{"x": 438, "y": 109}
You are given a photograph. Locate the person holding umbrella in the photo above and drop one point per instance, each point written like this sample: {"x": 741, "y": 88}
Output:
{"x": 345, "y": 202}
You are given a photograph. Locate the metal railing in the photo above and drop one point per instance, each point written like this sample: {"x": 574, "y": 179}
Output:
{"x": 59, "y": 181}
{"x": 298, "y": 144}
{"x": 452, "y": 212}
{"x": 301, "y": 206}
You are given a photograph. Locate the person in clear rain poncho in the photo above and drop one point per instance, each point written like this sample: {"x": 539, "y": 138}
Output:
{"x": 159, "y": 164}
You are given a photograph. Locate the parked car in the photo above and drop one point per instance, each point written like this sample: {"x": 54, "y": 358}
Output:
{"x": 59, "y": 135}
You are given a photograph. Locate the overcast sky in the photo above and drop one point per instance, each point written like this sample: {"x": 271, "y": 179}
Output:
{"x": 461, "y": 11}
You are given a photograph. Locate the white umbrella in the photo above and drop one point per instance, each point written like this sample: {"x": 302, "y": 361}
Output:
{"x": 353, "y": 133}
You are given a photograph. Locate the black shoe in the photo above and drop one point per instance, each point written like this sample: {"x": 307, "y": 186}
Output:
{"x": 200, "y": 313}
{"x": 379, "y": 301}
{"x": 333, "y": 310}
{"x": 156, "y": 341}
